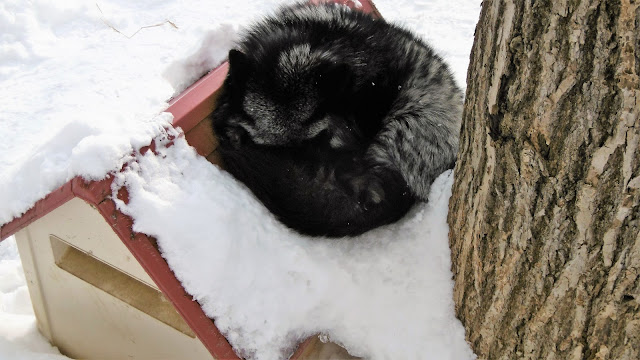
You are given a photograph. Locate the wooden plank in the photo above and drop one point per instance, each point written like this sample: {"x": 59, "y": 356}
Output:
{"x": 198, "y": 101}
{"x": 56, "y": 198}
{"x": 202, "y": 138}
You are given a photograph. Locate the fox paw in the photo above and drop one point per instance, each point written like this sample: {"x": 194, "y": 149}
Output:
{"x": 365, "y": 187}
{"x": 234, "y": 136}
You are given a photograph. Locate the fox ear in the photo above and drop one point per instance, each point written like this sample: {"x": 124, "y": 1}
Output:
{"x": 335, "y": 79}
{"x": 238, "y": 68}
{"x": 237, "y": 60}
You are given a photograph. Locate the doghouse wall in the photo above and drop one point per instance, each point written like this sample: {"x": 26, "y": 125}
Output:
{"x": 92, "y": 299}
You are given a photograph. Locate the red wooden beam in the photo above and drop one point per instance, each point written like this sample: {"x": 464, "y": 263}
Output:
{"x": 42, "y": 207}
{"x": 144, "y": 250}
{"x": 197, "y": 101}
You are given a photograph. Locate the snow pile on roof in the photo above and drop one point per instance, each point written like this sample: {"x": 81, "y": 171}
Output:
{"x": 74, "y": 72}
{"x": 204, "y": 56}
{"x": 78, "y": 148}
{"x": 81, "y": 84}
{"x": 385, "y": 294}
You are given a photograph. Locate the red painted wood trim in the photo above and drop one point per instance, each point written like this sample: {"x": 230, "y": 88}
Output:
{"x": 301, "y": 348}
{"x": 143, "y": 249}
{"x": 93, "y": 192}
{"x": 201, "y": 137}
{"x": 55, "y": 198}
{"x": 197, "y": 101}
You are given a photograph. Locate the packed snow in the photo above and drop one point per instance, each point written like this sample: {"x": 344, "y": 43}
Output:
{"x": 83, "y": 85}
{"x": 385, "y": 294}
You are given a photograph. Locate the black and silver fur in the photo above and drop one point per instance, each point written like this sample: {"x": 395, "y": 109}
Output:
{"x": 335, "y": 120}
{"x": 304, "y": 189}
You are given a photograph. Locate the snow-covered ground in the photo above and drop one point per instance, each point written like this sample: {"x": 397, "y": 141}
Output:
{"x": 78, "y": 96}
{"x": 19, "y": 337}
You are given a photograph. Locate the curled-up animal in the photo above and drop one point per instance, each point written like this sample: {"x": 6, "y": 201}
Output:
{"x": 336, "y": 121}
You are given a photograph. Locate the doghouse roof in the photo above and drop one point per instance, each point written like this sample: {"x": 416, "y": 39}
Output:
{"x": 189, "y": 109}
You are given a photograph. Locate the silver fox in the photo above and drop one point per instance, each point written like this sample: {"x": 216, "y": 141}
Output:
{"x": 370, "y": 97}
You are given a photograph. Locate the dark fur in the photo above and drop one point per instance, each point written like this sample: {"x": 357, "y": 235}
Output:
{"x": 336, "y": 121}
{"x": 307, "y": 196}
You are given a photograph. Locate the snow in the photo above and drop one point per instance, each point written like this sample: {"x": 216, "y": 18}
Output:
{"x": 385, "y": 294}
{"x": 68, "y": 76}
{"x": 19, "y": 336}
{"x": 448, "y": 26}
{"x": 205, "y": 55}
{"x": 83, "y": 85}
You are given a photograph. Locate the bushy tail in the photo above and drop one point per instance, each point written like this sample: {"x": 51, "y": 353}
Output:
{"x": 419, "y": 137}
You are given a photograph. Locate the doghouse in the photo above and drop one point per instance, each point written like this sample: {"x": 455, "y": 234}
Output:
{"x": 98, "y": 289}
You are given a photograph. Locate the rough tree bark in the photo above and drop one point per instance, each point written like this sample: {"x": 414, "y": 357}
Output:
{"x": 545, "y": 213}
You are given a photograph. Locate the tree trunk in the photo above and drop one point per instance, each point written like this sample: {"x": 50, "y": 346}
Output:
{"x": 545, "y": 212}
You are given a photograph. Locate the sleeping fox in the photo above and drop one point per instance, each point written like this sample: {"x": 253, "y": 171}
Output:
{"x": 336, "y": 121}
